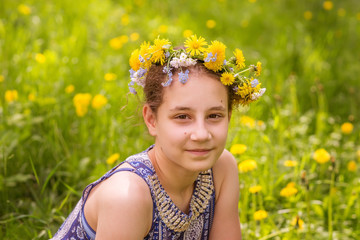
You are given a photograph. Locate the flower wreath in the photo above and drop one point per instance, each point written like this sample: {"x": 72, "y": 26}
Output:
{"x": 196, "y": 50}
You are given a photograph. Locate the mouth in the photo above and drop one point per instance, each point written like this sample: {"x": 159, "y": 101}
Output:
{"x": 199, "y": 152}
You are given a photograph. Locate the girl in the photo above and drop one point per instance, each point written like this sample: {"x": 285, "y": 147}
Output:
{"x": 185, "y": 186}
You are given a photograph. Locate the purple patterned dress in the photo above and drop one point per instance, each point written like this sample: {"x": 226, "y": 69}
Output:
{"x": 168, "y": 222}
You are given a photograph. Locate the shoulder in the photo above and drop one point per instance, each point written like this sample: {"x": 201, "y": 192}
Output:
{"x": 225, "y": 171}
{"x": 121, "y": 206}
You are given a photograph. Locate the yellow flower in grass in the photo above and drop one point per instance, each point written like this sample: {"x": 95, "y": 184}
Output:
{"x": 328, "y": 5}
{"x": 195, "y": 45}
{"x": 210, "y": 23}
{"x": 238, "y": 149}
{"x": 290, "y": 163}
{"x": 260, "y": 215}
{"x": 341, "y": 12}
{"x": 1, "y": 78}
{"x": 70, "y": 88}
{"x": 258, "y": 69}
{"x": 215, "y": 56}
{"x": 110, "y": 76}
{"x": 163, "y": 28}
{"x": 134, "y": 36}
{"x": 352, "y": 166}
{"x": 227, "y": 79}
{"x": 289, "y": 190}
{"x": 321, "y": 156}
{"x": 239, "y": 58}
{"x": 117, "y": 42}
{"x": 358, "y": 154}
{"x": 24, "y": 9}
{"x": 98, "y": 101}
{"x": 247, "y": 165}
{"x": 11, "y": 96}
{"x": 81, "y": 102}
{"x": 248, "y": 121}
{"x": 347, "y": 128}
{"x": 40, "y": 58}
{"x": 31, "y": 97}
{"x": 125, "y": 19}
{"x": 297, "y": 222}
{"x": 255, "y": 189}
{"x": 157, "y": 50}
{"x": 134, "y": 60}
{"x": 308, "y": 15}
{"x": 113, "y": 158}
{"x": 187, "y": 33}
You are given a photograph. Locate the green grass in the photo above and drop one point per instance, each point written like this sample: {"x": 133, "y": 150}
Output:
{"x": 310, "y": 69}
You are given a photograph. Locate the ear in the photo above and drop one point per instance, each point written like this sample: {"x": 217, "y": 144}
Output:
{"x": 149, "y": 119}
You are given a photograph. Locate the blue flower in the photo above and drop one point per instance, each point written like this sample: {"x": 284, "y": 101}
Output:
{"x": 224, "y": 62}
{"x": 208, "y": 58}
{"x": 254, "y": 83}
{"x": 167, "y": 54}
{"x": 132, "y": 90}
{"x": 214, "y": 58}
{"x": 236, "y": 88}
{"x": 183, "y": 77}
{"x": 132, "y": 72}
{"x": 141, "y": 59}
{"x": 141, "y": 72}
{"x": 167, "y": 69}
{"x": 169, "y": 81}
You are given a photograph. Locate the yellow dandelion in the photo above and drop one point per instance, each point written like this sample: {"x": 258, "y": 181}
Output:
{"x": 70, "y": 88}
{"x": 247, "y": 165}
{"x": 328, "y": 5}
{"x": 240, "y": 59}
{"x": 2, "y": 78}
{"x": 125, "y": 19}
{"x": 134, "y": 36}
{"x": 252, "y": 1}
{"x": 210, "y": 23}
{"x": 289, "y": 190}
{"x": 40, "y": 58}
{"x": 195, "y": 45}
{"x": 134, "y": 60}
{"x": 290, "y": 163}
{"x": 260, "y": 215}
{"x": 31, "y": 97}
{"x": 157, "y": 50}
{"x": 352, "y": 166}
{"x": 117, "y": 42}
{"x": 258, "y": 69}
{"x": 187, "y": 33}
{"x": 247, "y": 121}
{"x": 110, "y": 76}
{"x": 163, "y": 28}
{"x": 347, "y": 128}
{"x": 98, "y": 101}
{"x": 238, "y": 149}
{"x": 255, "y": 189}
{"x": 245, "y": 92}
{"x": 215, "y": 56}
{"x": 11, "y": 96}
{"x": 145, "y": 53}
{"x": 297, "y": 222}
{"x": 358, "y": 154}
{"x": 81, "y": 102}
{"x": 227, "y": 78}
{"x": 321, "y": 156}
{"x": 308, "y": 15}
{"x": 113, "y": 158}
{"x": 24, "y": 9}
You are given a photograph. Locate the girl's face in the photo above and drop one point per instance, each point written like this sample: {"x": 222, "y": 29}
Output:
{"x": 191, "y": 124}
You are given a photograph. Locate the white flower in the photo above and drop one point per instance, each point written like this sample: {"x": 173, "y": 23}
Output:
{"x": 257, "y": 95}
{"x": 183, "y": 61}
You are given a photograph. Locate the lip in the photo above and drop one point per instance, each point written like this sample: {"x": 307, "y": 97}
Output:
{"x": 199, "y": 152}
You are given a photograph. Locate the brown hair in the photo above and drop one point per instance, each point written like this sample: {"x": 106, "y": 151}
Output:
{"x": 153, "y": 89}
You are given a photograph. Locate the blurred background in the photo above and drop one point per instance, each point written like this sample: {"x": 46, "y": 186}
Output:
{"x": 66, "y": 116}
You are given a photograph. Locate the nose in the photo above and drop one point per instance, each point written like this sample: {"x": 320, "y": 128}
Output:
{"x": 200, "y": 132}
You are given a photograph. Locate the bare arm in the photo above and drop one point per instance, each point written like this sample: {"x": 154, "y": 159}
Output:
{"x": 121, "y": 207}
{"x": 226, "y": 224}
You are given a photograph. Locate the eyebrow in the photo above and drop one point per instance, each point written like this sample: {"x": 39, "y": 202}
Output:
{"x": 181, "y": 108}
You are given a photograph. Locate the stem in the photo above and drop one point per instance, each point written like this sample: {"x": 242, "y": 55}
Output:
{"x": 330, "y": 212}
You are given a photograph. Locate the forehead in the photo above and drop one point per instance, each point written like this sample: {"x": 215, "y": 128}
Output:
{"x": 201, "y": 91}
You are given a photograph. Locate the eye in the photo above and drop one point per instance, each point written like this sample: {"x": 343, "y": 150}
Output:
{"x": 182, "y": 116}
{"x": 216, "y": 115}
